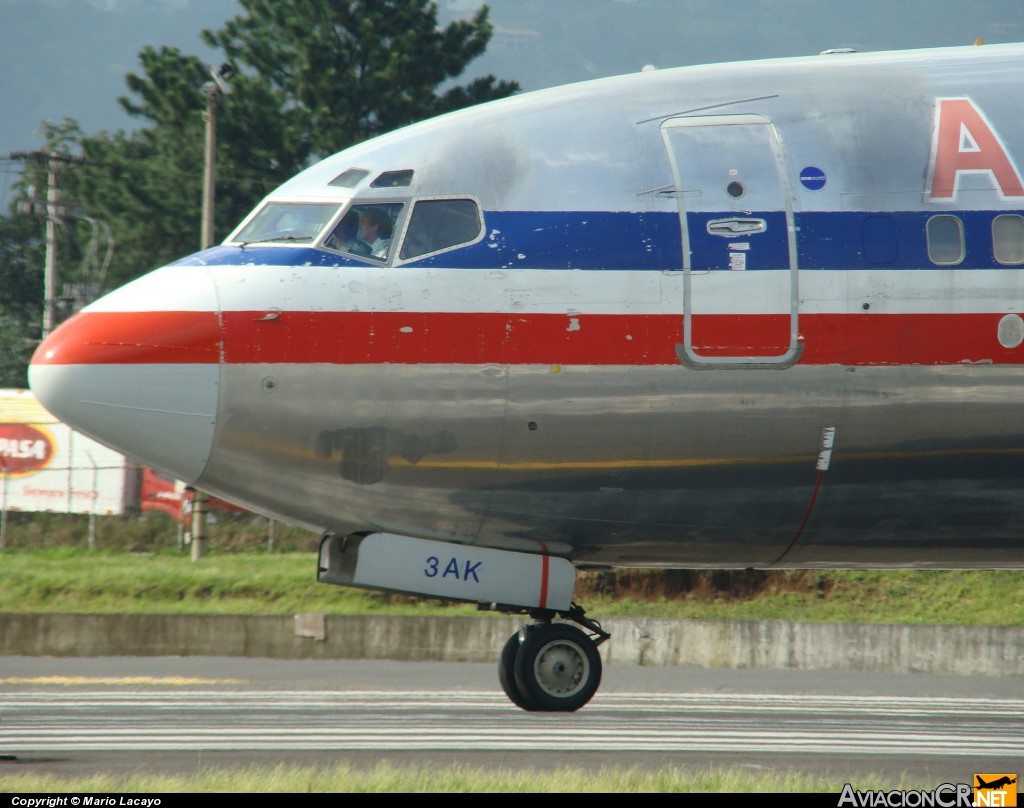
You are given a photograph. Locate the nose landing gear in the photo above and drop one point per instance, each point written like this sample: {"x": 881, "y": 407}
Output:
{"x": 552, "y": 667}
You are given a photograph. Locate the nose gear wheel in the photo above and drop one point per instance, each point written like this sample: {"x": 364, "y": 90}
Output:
{"x": 550, "y": 667}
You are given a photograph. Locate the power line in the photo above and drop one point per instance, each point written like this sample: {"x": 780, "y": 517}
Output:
{"x": 42, "y": 156}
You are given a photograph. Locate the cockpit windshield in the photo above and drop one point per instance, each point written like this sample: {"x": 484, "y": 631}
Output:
{"x": 370, "y": 230}
{"x": 366, "y": 230}
{"x": 300, "y": 222}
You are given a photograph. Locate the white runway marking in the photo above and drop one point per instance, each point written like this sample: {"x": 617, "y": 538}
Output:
{"x": 49, "y": 721}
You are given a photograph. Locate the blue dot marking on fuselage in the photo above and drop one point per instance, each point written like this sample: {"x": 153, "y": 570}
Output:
{"x": 813, "y": 179}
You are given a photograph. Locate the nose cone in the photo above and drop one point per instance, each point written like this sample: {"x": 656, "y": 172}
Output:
{"x": 138, "y": 370}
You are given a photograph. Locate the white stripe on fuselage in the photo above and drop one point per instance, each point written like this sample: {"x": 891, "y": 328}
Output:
{"x": 570, "y": 292}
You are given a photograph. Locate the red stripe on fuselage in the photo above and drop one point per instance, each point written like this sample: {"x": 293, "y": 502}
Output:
{"x": 133, "y": 338}
{"x": 545, "y": 571}
{"x": 519, "y": 339}
{"x": 448, "y": 338}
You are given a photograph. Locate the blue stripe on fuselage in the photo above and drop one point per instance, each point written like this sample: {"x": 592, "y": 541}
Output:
{"x": 596, "y": 240}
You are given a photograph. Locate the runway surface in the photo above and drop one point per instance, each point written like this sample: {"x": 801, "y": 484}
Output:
{"x": 177, "y": 714}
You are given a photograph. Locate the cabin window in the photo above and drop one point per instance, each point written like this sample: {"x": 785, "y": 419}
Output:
{"x": 437, "y": 224}
{"x": 945, "y": 240}
{"x": 287, "y": 222}
{"x": 1008, "y": 239}
{"x": 365, "y": 231}
{"x": 350, "y": 178}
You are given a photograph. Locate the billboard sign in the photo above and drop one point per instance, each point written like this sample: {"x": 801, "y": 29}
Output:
{"x": 47, "y": 466}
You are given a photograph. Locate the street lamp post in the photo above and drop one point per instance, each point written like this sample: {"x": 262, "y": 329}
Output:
{"x": 213, "y": 90}
{"x": 209, "y": 166}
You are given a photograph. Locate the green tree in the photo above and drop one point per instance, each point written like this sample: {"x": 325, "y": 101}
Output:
{"x": 311, "y": 77}
{"x": 22, "y": 251}
{"x": 21, "y": 279}
{"x": 147, "y": 184}
{"x": 350, "y": 69}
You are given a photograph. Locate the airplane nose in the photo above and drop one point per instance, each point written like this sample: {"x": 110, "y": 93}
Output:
{"x": 138, "y": 370}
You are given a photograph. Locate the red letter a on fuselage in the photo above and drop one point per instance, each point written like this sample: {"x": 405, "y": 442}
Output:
{"x": 966, "y": 143}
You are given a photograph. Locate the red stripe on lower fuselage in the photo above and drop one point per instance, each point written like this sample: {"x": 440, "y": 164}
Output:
{"x": 545, "y": 571}
{"x": 519, "y": 339}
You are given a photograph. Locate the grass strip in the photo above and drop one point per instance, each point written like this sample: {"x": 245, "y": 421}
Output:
{"x": 387, "y": 777}
{"x": 77, "y": 580}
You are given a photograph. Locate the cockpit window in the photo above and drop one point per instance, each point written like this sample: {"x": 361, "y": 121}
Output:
{"x": 393, "y": 179}
{"x": 287, "y": 222}
{"x": 350, "y": 178}
{"x": 437, "y": 224}
{"x": 366, "y": 231}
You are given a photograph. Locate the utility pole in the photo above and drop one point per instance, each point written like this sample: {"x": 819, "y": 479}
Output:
{"x": 54, "y": 212}
{"x": 50, "y": 270}
{"x": 213, "y": 91}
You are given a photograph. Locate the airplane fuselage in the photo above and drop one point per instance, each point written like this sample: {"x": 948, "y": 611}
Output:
{"x": 744, "y": 315}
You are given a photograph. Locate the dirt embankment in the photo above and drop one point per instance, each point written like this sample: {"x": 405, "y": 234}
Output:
{"x": 699, "y": 584}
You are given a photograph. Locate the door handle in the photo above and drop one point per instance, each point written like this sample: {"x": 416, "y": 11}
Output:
{"x": 736, "y": 227}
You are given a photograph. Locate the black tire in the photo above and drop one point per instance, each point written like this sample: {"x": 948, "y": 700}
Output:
{"x": 557, "y": 668}
{"x": 507, "y": 672}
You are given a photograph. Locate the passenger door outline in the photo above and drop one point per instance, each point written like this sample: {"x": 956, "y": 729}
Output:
{"x": 734, "y": 161}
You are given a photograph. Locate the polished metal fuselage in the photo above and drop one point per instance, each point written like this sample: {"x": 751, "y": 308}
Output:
{"x": 616, "y": 396}
{"x": 635, "y": 467}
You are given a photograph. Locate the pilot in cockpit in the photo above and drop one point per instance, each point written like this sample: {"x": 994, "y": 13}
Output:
{"x": 375, "y": 230}
{"x": 344, "y": 236}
